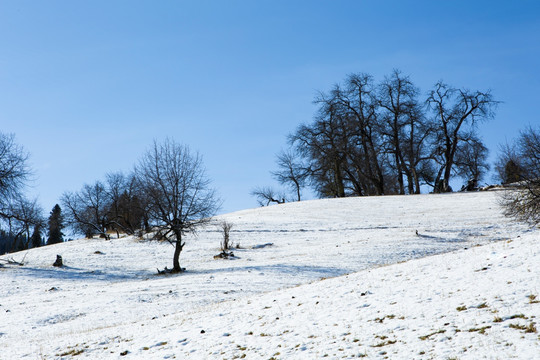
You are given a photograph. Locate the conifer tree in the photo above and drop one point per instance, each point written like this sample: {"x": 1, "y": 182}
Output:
{"x": 56, "y": 224}
{"x": 35, "y": 239}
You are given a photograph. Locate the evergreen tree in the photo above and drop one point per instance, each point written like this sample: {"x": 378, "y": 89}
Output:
{"x": 513, "y": 172}
{"x": 35, "y": 239}
{"x": 56, "y": 224}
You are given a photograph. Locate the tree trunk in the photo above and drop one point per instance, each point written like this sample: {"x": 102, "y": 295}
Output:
{"x": 399, "y": 175}
{"x": 177, "y": 250}
{"x": 416, "y": 181}
{"x": 340, "y": 188}
{"x": 297, "y": 185}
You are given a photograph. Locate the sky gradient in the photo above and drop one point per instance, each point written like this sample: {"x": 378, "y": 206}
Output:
{"x": 87, "y": 86}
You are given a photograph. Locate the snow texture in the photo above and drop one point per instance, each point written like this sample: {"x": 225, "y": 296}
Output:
{"x": 423, "y": 277}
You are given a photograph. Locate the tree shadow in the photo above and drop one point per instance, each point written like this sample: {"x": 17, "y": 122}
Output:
{"x": 278, "y": 269}
{"x": 68, "y": 273}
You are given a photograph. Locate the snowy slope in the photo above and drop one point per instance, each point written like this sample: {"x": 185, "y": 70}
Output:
{"x": 108, "y": 300}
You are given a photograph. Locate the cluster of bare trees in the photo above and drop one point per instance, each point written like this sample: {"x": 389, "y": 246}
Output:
{"x": 104, "y": 207}
{"x": 372, "y": 138}
{"x": 168, "y": 193}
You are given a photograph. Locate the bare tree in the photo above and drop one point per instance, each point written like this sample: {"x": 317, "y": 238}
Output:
{"x": 360, "y": 110}
{"x": 87, "y": 210}
{"x": 225, "y": 227}
{"x": 321, "y": 143}
{"x": 266, "y": 195}
{"x": 14, "y": 171}
{"x": 126, "y": 204}
{"x": 472, "y": 162}
{"x": 24, "y": 215}
{"x": 30, "y": 215}
{"x": 456, "y": 113}
{"x": 523, "y": 202}
{"x": 529, "y": 145}
{"x": 397, "y": 97}
{"x": 291, "y": 171}
{"x": 178, "y": 192}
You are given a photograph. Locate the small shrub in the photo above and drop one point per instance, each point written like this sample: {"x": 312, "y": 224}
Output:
{"x": 482, "y": 306}
{"x": 531, "y": 328}
{"x": 517, "y": 326}
{"x": 226, "y": 243}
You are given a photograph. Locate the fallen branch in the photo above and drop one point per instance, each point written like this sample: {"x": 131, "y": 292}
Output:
{"x": 12, "y": 261}
{"x": 225, "y": 255}
{"x": 169, "y": 271}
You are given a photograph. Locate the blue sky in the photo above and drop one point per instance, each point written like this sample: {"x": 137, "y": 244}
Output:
{"x": 87, "y": 86}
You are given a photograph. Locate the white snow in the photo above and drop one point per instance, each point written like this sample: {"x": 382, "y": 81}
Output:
{"x": 343, "y": 278}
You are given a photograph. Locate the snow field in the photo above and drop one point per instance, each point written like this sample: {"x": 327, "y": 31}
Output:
{"x": 477, "y": 302}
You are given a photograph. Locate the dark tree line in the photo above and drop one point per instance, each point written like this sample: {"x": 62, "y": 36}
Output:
{"x": 19, "y": 216}
{"x": 22, "y": 223}
{"x": 372, "y": 138}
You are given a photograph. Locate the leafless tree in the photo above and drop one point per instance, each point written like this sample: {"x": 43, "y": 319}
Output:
{"x": 226, "y": 227}
{"x": 291, "y": 171}
{"x": 523, "y": 202}
{"x": 24, "y": 216}
{"x": 529, "y": 145}
{"x": 88, "y": 209}
{"x": 472, "y": 162}
{"x": 456, "y": 113}
{"x": 126, "y": 204}
{"x": 14, "y": 171}
{"x": 406, "y": 129}
{"x": 359, "y": 108}
{"x": 178, "y": 192}
{"x": 324, "y": 145}
{"x": 266, "y": 195}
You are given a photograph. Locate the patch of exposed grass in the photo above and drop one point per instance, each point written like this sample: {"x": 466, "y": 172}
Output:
{"x": 518, "y": 316}
{"x": 72, "y": 352}
{"x": 426, "y": 337}
{"x": 517, "y": 326}
{"x": 531, "y": 328}
{"x": 481, "y": 330}
{"x": 384, "y": 343}
{"x": 461, "y": 308}
{"x": 380, "y": 320}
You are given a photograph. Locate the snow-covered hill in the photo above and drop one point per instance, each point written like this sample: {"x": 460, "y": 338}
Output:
{"x": 319, "y": 290}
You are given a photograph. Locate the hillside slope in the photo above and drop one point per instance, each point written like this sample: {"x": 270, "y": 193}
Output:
{"x": 108, "y": 300}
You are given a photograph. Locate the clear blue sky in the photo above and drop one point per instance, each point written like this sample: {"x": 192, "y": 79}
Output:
{"x": 86, "y": 86}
